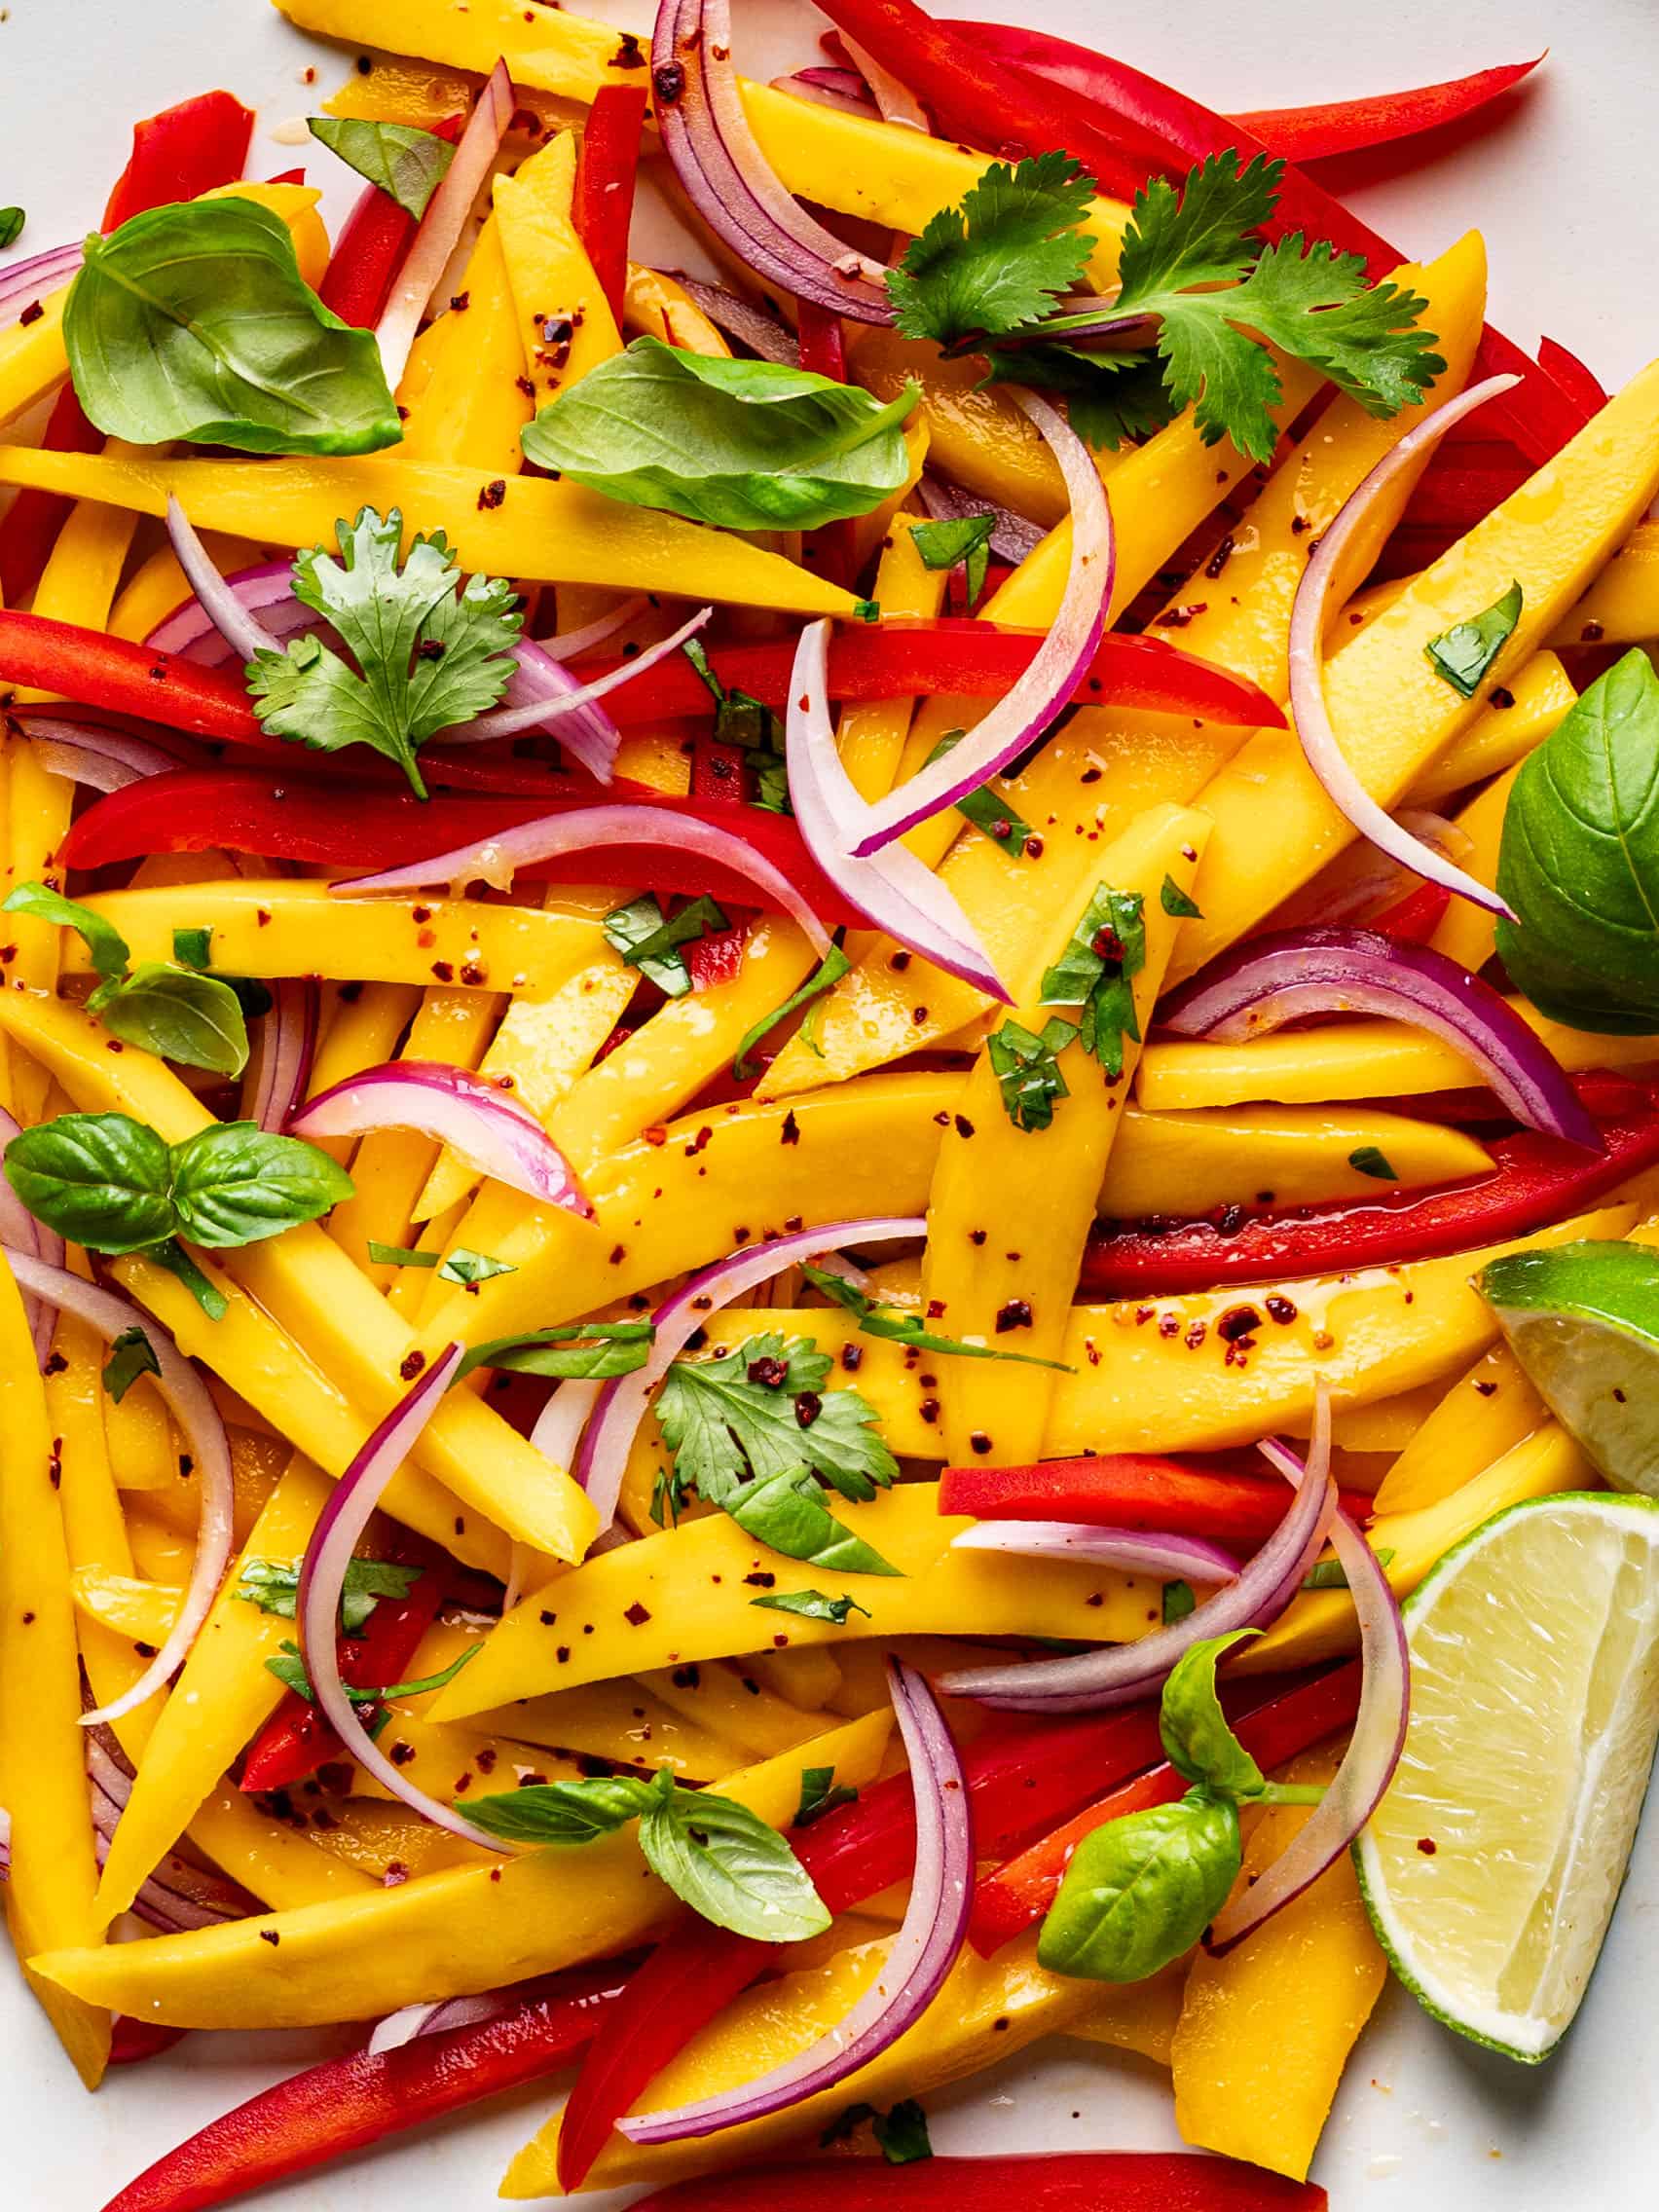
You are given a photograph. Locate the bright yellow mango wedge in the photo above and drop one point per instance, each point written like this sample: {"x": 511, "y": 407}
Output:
{"x": 472, "y": 409}
{"x": 470, "y": 1929}
{"x": 1621, "y": 608}
{"x": 1485, "y": 1413}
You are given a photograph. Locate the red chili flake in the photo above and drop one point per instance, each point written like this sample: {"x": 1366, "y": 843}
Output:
{"x": 1298, "y": 523}
{"x": 1280, "y": 1308}
{"x": 977, "y": 1235}
{"x": 1015, "y": 1314}
{"x": 789, "y": 1133}
{"x": 979, "y": 1443}
{"x": 420, "y": 914}
{"x": 698, "y": 1141}
{"x": 770, "y": 1374}
{"x": 619, "y": 1253}
{"x": 524, "y": 385}
{"x": 629, "y": 56}
{"x": 1219, "y": 559}
{"x": 918, "y": 1015}
{"x": 1487, "y": 1389}
{"x": 412, "y": 1365}
{"x": 1238, "y": 1322}
{"x": 492, "y": 494}
{"x": 31, "y": 314}
{"x": 444, "y": 970}
{"x": 929, "y": 1410}
{"x": 271, "y": 1937}
{"x": 401, "y": 1754}
{"x": 759, "y": 1581}
{"x": 1592, "y": 634}
{"x": 460, "y": 302}
{"x": 852, "y": 1357}
{"x": 1427, "y": 1845}
{"x": 262, "y": 917}
{"x": 807, "y": 1408}
{"x": 1034, "y": 847}
{"x": 635, "y": 1616}
{"x": 1500, "y": 696}
{"x": 563, "y": 1654}
{"x": 964, "y": 1127}
{"x": 1195, "y": 1334}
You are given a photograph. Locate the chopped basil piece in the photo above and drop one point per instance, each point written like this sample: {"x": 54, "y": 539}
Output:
{"x": 1095, "y": 972}
{"x": 1330, "y": 1573}
{"x": 1176, "y": 902}
{"x": 1027, "y": 1069}
{"x": 408, "y": 165}
{"x": 577, "y": 1351}
{"x": 1369, "y": 1161}
{"x": 965, "y": 539}
{"x": 289, "y": 1668}
{"x": 401, "y": 1256}
{"x": 821, "y": 1793}
{"x": 1179, "y": 1600}
{"x": 986, "y": 808}
{"x": 171, "y": 1255}
{"x": 12, "y": 220}
{"x": 1465, "y": 654}
{"x": 878, "y": 1320}
{"x": 131, "y": 1355}
{"x": 273, "y": 1584}
{"x": 470, "y": 1268}
{"x": 649, "y": 944}
{"x": 900, "y": 2135}
{"x": 834, "y": 966}
{"x": 813, "y": 1606}
{"x": 191, "y": 947}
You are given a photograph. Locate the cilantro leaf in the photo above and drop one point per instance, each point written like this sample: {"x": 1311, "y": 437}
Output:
{"x": 762, "y": 1410}
{"x": 813, "y": 1606}
{"x": 273, "y": 1585}
{"x": 1027, "y": 1069}
{"x": 1111, "y": 397}
{"x": 1107, "y": 949}
{"x": 1464, "y": 652}
{"x": 428, "y": 656}
{"x": 878, "y": 1320}
{"x": 649, "y": 944}
{"x": 1002, "y": 258}
{"x": 1178, "y": 903}
{"x": 1200, "y": 236}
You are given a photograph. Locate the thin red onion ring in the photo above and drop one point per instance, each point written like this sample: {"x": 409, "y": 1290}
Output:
{"x": 20, "y": 1232}
{"x": 414, "y": 2020}
{"x": 897, "y": 102}
{"x": 452, "y": 1105}
{"x": 322, "y": 1580}
{"x": 191, "y": 1405}
{"x": 923, "y": 1952}
{"x": 841, "y": 89}
{"x": 220, "y": 601}
{"x": 495, "y": 860}
{"x": 177, "y": 1897}
{"x": 1135, "y": 1551}
{"x": 38, "y": 277}
{"x": 608, "y": 1436}
{"x": 281, "y": 1062}
{"x": 1374, "y": 1749}
{"x": 1308, "y": 622}
{"x": 266, "y": 588}
{"x": 1268, "y": 980}
{"x": 570, "y": 644}
{"x": 761, "y": 333}
{"x": 1014, "y": 537}
{"x": 893, "y": 889}
{"x": 562, "y": 696}
{"x": 1057, "y": 668}
{"x": 87, "y": 752}
{"x": 558, "y": 1431}
{"x": 1092, "y": 1680}
{"x": 443, "y": 223}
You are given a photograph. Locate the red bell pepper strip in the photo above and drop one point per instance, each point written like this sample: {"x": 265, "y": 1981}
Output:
{"x": 823, "y": 352}
{"x": 100, "y": 671}
{"x": 1131, "y": 1490}
{"x": 906, "y": 659}
{"x": 711, "y": 961}
{"x": 133, "y": 2040}
{"x": 1054, "y": 2181}
{"x": 338, "y": 822}
{"x": 1347, "y": 126}
{"x": 297, "y": 1738}
{"x": 602, "y": 207}
{"x": 346, "y": 2104}
{"x": 1570, "y": 373}
{"x": 372, "y": 242}
{"x": 718, "y": 771}
{"x": 1415, "y": 918}
{"x": 1020, "y": 1892}
{"x": 981, "y": 84}
{"x": 1461, "y": 489}
{"x": 1535, "y": 1180}
{"x": 34, "y": 518}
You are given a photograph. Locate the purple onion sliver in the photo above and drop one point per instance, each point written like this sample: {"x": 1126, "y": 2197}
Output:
{"x": 840, "y": 89}
{"x": 570, "y": 644}
{"x": 1014, "y": 537}
{"x": 281, "y": 1066}
{"x": 1131, "y": 1549}
{"x": 760, "y": 332}
{"x": 37, "y": 279}
{"x": 561, "y": 699}
{"x": 266, "y": 589}
{"x": 86, "y": 753}
{"x": 220, "y": 601}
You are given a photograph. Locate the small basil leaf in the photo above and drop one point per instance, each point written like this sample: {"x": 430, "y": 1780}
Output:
{"x": 787, "y": 1512}
{"x": 562, "y": 1812}
{"x": 12, "y": 220}
{"x": 813, "y": 1606}
{"x": 1177, "y": 902}
{"x": 236, "y": 1184}
{"x": 1179, "y": 1600}
{"x": 401, "y": 1255}
{"x": 1027, "y": 1069}
{"x": 1095, "y": 972}
{"x": 104, "y": 944}
{"x": 193, "y": 321}
{"x": 986, "y": 808}
{"x": 1466, "y": 652}
{"x": 1141, "y": 1890}
{"x": 469, "y": 1268}
{"x": 289, "y": 1668}
{"x": 747, "y": 445}
{"x": 727, "y": 1864}
{"x": 878, "y": 1320}
{"x": 99, "y": 1179}
{"x": 1331, "y": 1574}
{"x": 131, "y": 1355}
{"x": 834, "y": 966}
{"x": 193, "y": 949}
{"x": 902, "y": 2134}
{"x": 616, "y": 1347}
{"x": 965, "y": 539}
{"x": 1369, "y": 1160}
{"x": 1195, "y": 1734}
{"x": 407, "y": 165}
{"x": 649, "y": 944}
{"x": 194, "y": 1019}
{"x": 821, "y": 1793}
{"x": 171, "y": 1255}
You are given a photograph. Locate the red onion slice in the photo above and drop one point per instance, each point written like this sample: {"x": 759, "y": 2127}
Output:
{"x": 556, "y": 695}
{"x": 761, "y": 333}
{"x": 1135, "y": 1551}
{"x": 1373, "y": 1749}
{"x": 1307, "y": 623}
{"x": 1014, "y": 537}
{"x": 416, "y": 2020}
{"x": 1057, "y": 668}
{"x": 322, "y": 1579}
{"x": 842, "y": 89}
{"x": 266, "y": 589}
{"x": 897, "y": 102}
{"x": 221, "y": 602}
{"x": 893, "y": 889}
{"x": 1093, "y": 1680}
{"x": 37, "y": 279}
{"x": 20, "y": 1232}
{"x": 453, "y": 1106}
{"x": 86, "y": 752}
{"x": 281, "y": 1064}
{"x": 719, "y": 162}
{"x": 444, "y": 221}
{"x": 176, "y": 1898}
{"x": 923, "y": 1952}
{"x": 1289, "y": 974}
{"x": 495, "y": 860}
{"x": 188, "y": 1400}
{"x": 558, "y": 1431}
{"x": 609, "y": 1437}
{"x": 570, "y": 644}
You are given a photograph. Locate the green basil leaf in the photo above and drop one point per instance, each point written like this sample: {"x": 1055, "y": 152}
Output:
{"x": 747, "y": 445}
{"x": 1331, "y": 1574}
{"x": 964, "y": 539}
{"x": 1370, "y": 1161}
{"x": 1141, "y": 1890}
{"x": 1095, "y": 972}
{"x": 407, "y": 165}
{"x": 562, "y": 1812}
{"x": 1027, "y": 1069}
{"x": 787, "y": 1512}
{"x": 101, "y": 1180}
{"x": 401, "y": 1255}
{"x": 1176, "y": 902}
{"x": 1179, "y": 1601}
{"x": 193, "y": 949}
{"x": 727, "y": 1864}
{"x": 235, "y": 1184}
{"x": 830, "y": 971}
{"x": 1465, "y": 654}
{"x": 617, "y": 1347}
{"x": 902, "y": 2134}
{"x": 1195, "y": 1734}
{"x": 649, "y": 944}
{"x": 171, "y": 1255}
{"x": 178, "y": 1015}
{"x": 986, "y": 808}
{"x": 289, "y": 1668}
{"x": 878, "y": 1320}
{"x": 193, "y": 321}
{"x": 821, "y": 1793}
{"x": 813, "y": 1606}
{"x": 1579, "y": 862}
{"x": 131, "y": 1355}
{"x": 470, "y": 1268}
{"x": 104, "y": 944}
{"x": 12, "y": 220}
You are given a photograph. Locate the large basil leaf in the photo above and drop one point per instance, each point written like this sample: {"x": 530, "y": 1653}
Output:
{"x": 1579, "y": 862}
{"x": 729, "y": 1865}
{"x": 749, "y": 445}
{"x": 178, "y": 1015}
{"x": 1142, "y": 1890}
{"x": 99, "y": 1179}
{"x": 193, "y": 321}
{"x": 233, "y": 1184}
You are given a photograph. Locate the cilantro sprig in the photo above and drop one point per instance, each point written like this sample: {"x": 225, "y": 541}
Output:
{"x": 1096, "y": 973}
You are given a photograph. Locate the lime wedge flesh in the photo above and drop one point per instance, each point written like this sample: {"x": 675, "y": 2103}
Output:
{"x": 1583, "y": 1320}
{"x": 1492, "y": 1864}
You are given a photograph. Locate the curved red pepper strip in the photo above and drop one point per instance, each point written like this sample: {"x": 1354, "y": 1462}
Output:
{"x": 372, "y": 242}
{"x": 1347, "y": 126}
{"x": 100, "y": 671}
{"x": 1019, "y": 1893}
{"x": 1535, "y": 1180}
{"x": 132, "y": 2042}
{"x": 1131, "y": 1490}
{"x": 915, "y": 659}
{"x": 606, "y": 169}
{"x": 1413, "y": 918}
{"x": 1068, "y": 2181}
{"x": 823, "y": 352}
{"x": 346, "y": 2104}
{"x": 1570, "y": 373}
{"x": 330, "y": 822}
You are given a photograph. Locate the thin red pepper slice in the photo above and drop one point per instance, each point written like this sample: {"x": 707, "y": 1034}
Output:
{"x": 1068, "y": 2181}
{"x": 336, "y": 823}
{"x": 100, "y": 671}
{"x": 346, "y": 2104}
{"x": 372, "y": 242}
{"x": 1019, "y": 1893}
{"x": 1131, "y": 1490}
{"x": 297, "y": 1738}
{"x": 913, "y": 659}
{"x": 602, "y": 207}
{"x": 1347, "y": 126}
{"x": 1535, "y": 1180}
{"x": 823, "y": 352}
{"x": 132, "y": 2040}
{"x": 1571, "y": 374}
{"x": 1413, "y": 918}
{"x": 34, "y": 518}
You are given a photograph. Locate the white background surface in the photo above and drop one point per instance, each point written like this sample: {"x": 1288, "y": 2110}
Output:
{"x": 1562, "y": 186}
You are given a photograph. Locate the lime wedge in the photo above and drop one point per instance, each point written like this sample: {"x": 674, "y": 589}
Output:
{"x": 1583, "y": 1320}
{"x": 1492, "y": 1867}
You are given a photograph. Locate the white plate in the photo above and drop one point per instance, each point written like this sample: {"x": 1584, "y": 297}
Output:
{"x": 1563, "y": 191}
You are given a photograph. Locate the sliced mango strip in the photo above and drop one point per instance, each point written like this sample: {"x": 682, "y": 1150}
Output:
{"x": 551, "y": 277}
{"x": 282, "y": 1867}
{"x": 870, "y": 738}
{"x": 656, "y": 305}
{"x": 473, "y": 406}
{"x": 1467, "y": 933}
{"x": 1500, "y": 736}
{"x": 1187, "y": 1164}
{"x": 1621, "y": 608}
{"x": 1485, "y": 1413}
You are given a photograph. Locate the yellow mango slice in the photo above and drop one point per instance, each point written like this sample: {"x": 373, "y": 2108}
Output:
{"x": 472, "y": 1927}
{"x": 551, "y": 275}
{"x": 870, "y": 737}
{"x": 1485, "y": 1413}
{"x": 622, "y": 1720}
{"x": 1390, "y": 709}
{"x": 656, "y": 305}
{"x": 472, "y": 408}
{"x": 1254, "y": 2076}
{"x": 1187, "y": 1164}
{"x": 1500, "y": 736}
{"x": 731, "y": 1699}
{"x": 1467, "y": 934}
{"x": 543, "y": 529}
{"x": 1621, "y": 608}
{"x": 43, "y": 1753}
{"x": 1011, "y": 1208}
{"x": 284, "y": 1869}
{"x": 692, "y": 1616}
